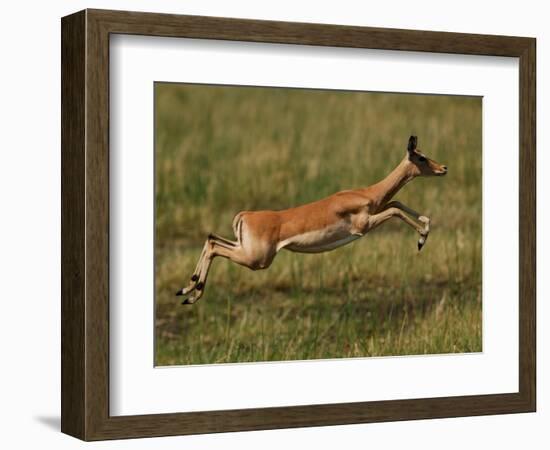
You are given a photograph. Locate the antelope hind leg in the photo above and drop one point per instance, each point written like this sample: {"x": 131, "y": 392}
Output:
{"x": 194, "y": 281}
{"x": 195, "y": 277}
{"x": 214, "y": 246}
{"x": 190, "y": 287}
{"x": 202, "y": 273}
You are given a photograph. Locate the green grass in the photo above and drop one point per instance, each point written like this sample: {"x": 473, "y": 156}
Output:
{"x": 220, "y": 150}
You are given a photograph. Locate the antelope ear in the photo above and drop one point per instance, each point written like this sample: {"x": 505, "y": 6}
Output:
{"x": 412, "y": 144}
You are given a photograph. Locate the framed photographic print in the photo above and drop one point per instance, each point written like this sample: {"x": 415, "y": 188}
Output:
{"x": 271, "y": 224}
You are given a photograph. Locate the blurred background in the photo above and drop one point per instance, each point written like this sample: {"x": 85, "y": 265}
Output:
{"x": 223, "y": 149}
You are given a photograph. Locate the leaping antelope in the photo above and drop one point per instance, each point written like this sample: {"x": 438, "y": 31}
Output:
{"x": 319, "y": 226}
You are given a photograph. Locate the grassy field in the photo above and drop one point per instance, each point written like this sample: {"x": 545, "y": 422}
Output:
{"x": 220, "y": 150}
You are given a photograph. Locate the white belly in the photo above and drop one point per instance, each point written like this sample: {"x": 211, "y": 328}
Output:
{"x": 318, "y": 241}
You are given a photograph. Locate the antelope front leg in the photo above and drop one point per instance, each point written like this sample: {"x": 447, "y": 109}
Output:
{"x": 425, "y": 220}
{"x": 424, "y": 235}
{"x": 392, "y": 210}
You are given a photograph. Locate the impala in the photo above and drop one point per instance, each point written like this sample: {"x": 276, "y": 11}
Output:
{"x": 319, "y": 226}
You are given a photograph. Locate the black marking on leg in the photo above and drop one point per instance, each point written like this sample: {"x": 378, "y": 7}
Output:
{"x": 240, "y": 231}
{"x": 194, "y": 278}
{"x": 200, "y": 286}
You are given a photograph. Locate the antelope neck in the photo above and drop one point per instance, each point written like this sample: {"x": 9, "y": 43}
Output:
{"x": 384, "y": 190}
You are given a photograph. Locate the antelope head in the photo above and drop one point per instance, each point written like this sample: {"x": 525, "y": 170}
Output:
{"x": 422, "y": 165}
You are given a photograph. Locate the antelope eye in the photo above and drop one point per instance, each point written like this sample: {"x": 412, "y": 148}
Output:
{"x": 421, "y": 158}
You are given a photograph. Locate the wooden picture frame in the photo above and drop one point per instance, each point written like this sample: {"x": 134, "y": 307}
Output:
{"x": 85, "y": 224}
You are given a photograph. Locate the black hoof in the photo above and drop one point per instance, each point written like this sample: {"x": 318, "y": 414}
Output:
{"x": 186, "y": 302}
{"x": 180, "y": 292}
{"x": 420, "y": 246}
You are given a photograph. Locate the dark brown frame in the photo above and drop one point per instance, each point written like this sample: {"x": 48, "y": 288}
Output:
{"x": 85, "y": 224}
